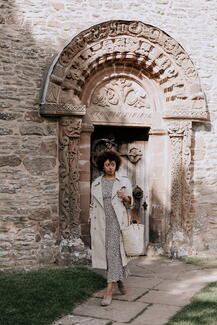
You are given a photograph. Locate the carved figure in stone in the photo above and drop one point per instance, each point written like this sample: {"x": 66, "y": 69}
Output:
{"x": 71, "y": 127}
{"x": 68, "y": 96}
{"x": 134, "y": 155}
{"x": 66, "y": 56}
{"x": 69, "y": 177}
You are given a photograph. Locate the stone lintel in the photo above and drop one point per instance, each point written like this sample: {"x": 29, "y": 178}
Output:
{"x": 158, "y": 132}
{"x": 62, "y": 109}
{"x": 195, "y": 115}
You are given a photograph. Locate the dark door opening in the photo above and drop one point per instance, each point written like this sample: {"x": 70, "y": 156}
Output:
{"x": 132, "y": 145}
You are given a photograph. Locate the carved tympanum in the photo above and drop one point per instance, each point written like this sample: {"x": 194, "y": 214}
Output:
{"x": 120, "y": 93}
{"x": 119, "y": 100}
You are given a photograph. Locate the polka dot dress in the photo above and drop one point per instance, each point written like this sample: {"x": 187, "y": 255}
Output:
{"x": 115, "y": 269}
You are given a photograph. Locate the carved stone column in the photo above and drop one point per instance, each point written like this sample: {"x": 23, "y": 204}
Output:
{"x": 180, "y": 137}
{"x": 85, "y": 177}
{"x": 180, "y": 157}
{"x": 176, "y": 138}
{"x": 71, "y": 247}
{"x": 69, "y": 136}
{"x": 186, "y": 180}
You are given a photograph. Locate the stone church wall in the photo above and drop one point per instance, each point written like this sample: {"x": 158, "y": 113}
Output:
{"x": 32, "y": 33}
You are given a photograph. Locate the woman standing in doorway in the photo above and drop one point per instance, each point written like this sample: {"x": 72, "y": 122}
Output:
{"x": 111, "y": 195}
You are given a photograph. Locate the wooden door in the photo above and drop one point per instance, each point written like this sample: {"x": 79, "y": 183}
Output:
{"x": 132, "y": 145}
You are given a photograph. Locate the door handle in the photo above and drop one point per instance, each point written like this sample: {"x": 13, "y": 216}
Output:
{"x": 145, "y": 205}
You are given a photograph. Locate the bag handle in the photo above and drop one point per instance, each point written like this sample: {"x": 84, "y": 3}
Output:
{"x": 137, "y": 219}
{"x": 133, "y": 216}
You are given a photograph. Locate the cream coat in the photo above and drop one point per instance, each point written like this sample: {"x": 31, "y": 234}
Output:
{"x": 97, "y": 216}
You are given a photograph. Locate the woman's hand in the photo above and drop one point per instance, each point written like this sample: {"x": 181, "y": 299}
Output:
{"x": 124, "y": 197}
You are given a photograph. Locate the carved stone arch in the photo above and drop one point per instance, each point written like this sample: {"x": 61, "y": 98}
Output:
{"x": 148, "y": 62}
{"x": 127, "y": 43}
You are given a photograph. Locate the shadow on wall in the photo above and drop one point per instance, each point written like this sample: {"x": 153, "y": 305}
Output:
{"x": 28, "y": 146}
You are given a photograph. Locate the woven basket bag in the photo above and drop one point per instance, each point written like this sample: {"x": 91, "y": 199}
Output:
{"x": 133, "y": 239}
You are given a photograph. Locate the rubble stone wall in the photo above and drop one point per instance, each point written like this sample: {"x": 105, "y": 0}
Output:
{"x": 32, "y": 33}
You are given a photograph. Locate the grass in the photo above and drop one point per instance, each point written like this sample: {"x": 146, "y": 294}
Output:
{"x": 202, "y": 310}
{"x": 40, "y": 297}
{"x": 206, "y": 262}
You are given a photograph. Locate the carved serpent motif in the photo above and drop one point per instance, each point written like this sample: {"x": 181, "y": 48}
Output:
{"x": 69, "y": 176}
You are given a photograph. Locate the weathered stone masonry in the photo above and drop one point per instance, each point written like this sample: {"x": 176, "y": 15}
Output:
{"x": 31, "y": 228}
{"x": 107, "y": 51}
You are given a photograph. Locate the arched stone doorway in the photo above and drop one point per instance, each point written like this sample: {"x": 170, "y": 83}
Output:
{"x": 126, "y": 73}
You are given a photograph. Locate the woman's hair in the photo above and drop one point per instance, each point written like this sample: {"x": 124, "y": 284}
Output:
{"x": 108, "y": 155}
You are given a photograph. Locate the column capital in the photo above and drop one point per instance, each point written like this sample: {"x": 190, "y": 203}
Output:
{"x": 62, "y": 109}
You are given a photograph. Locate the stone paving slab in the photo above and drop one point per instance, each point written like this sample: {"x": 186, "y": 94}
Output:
{"x": 203, "y": 276}
{"x": 132, "y": 294}
{"x": 161, "y": 261}
{"x": 119, "y": 311}
{"x": 165, "y": 268}
{"x": 156, "y": 315}
{"x": 157, "y": 289}
{"x": 137, "y": 270}
{"x": 75, "y": 320}
{"x": 140, "y": 282}
{"x": 177, "y": 287}
{"x": 163, "y": 297}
